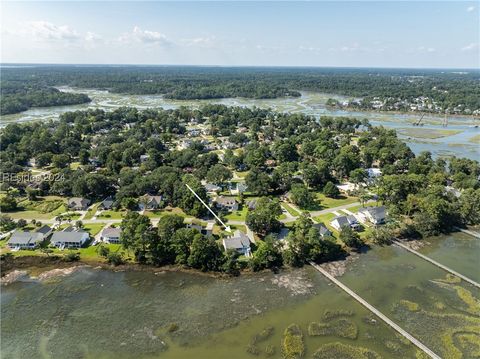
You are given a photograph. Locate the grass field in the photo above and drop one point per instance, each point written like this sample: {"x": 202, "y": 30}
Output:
{"x": 327, "y": 202}
{"x": 475, "y": 139}
{"x": 44, "y": 208}
{"x": 238, "y": 215}
{"x": 290, "y": 209}
{"x": 112, "y": 214}
{"x": 91, "y": 212}
{"x": 93, "y": 228}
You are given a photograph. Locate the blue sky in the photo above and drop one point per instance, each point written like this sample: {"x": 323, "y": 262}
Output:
{"x": 341, "y": 33}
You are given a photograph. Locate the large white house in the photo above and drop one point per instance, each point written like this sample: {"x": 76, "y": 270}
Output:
{"x": 239, "y": 242}
{"x": 69, "y": 239}
{"x": 111, "y": 235}
{"x": 345, "y": 221}
{"x": 25, "y": 240}
{"x": 375, "y": 215}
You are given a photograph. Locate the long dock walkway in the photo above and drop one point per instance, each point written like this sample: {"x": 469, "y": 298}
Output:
{"x": 439, "y": 265}
{"x": 375, "y": 311}
{"x": 467, "y": 231}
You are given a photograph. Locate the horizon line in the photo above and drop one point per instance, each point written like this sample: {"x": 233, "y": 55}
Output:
{"x": 238, "y": 66}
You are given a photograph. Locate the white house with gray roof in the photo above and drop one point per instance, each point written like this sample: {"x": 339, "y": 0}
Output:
{"x": 344, "y": 221}
{"x": 111, "y": 235}
{"x": 69, "y": 239}
{"x": 239, "y": 242}
{"x": 375, "y": 215}
{"x": 25, "y": 240}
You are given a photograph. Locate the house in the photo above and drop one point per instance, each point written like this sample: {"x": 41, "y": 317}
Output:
{"x": 150, "y": 202}
{"x": 45, "y": 230}
{"x": 78, "y": 203}
{"x": 374, "y": 172}
{"x": 25, "y": 240}
{"x": 107, "y": 203}
{"x": 324, "y": 231}
{"x": 111, "y": 235}
{"x": 212, "y": 188}
{"x": 227, "y": 203}
{"x": 345, "y": 221}
{"x": 375, "y": 215}
{"x": 69, "y": 229}
{"x": 237, "y": 188}
{"x": 252, "y": 204}
{"x": 206, "y": 231}
{"x": 144, "y": 158}
{"x": 239, "y": 241}
{"x": 69, "y": 239}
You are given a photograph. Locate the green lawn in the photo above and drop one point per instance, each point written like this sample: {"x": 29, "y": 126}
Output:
{"x": 290, "y": 209}
{"x": 242, "y": 174}
{"x": 91, "y": 211}
{"x": 165, "y": 212}
{"x": 238, "y": 215}
{"x": 327, "y": 202}
{"x": 44, "y": 208}
{"x": 326, "y": 219}
{"x": 93, "y": 228}
{"x": 112, "y": 214}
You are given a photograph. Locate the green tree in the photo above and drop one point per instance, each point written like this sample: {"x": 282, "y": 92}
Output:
{"x": 330, "y": 190}
{"x": 264, "y": 218}
{"x": 268, "y": 255}
{"x": 137, "y": 235}
{"x": 258, "y": 182}
{"x": 219, "y": 174}
{"x": 351, "y": 238}
{"x": 205, "y": 254}
{"x": 8, "y": 203}
{"x": 302, "y": 197}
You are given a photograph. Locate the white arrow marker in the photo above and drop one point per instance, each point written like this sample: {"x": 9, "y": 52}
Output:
{"x": 227, "y": 228}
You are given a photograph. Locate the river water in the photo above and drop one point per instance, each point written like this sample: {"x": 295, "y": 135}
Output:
{"x": 459, "y": 138}
{"x": 96, "y": 313}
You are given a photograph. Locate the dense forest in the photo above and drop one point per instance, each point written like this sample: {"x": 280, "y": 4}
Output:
{"x": 18, "y": 96}
{"x": 448, "y": 89}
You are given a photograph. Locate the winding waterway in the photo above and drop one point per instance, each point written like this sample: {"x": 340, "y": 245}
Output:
{"x": 96, "y": 313}
{"x": 460, "y": 138}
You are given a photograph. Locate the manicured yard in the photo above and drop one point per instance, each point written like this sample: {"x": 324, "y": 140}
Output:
{"x": 91, "y": 211}
{"x": 325, "y": 219}
{"x": 290, "y": 209}
{"x": 112, "y": 214}
{"x": 165, "y": 212}
{"x": 242, "y": 174}
{"x": 238, "y": 215}
{"x": 93, "y": 228}
{"x": 327, "y": 202}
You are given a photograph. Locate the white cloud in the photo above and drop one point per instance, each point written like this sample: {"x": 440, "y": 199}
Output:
{"x": 146, "y": 36}
{"x": 470, "y": 8}
{"x": 91, "y": 37}
{"x": 205, "y": 42}
{"x": 470, "y": 47}
{"x": 44, "y": 30}
{"x": 426, "y": 49}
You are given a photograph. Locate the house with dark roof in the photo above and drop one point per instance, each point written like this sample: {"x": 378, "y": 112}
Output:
{"x": 25, "y": 240}
{"x": 324, "y": 231}
{"x": 111, "y": 235}
{"x": 227, "y": 203}
{"x": 239, "y": 241}
{"x": 107, "y": 203}
{"x": 205, "y": 230}
{"x": 375, "y": 215}
{"x": 69, "y": 239}
{"x": 149, "y": 202}
{"x": 45, "y": 230}
{"x": 212, "y": 188}
{"x": 340, "y": 222}
{"x": 78, "y": 203}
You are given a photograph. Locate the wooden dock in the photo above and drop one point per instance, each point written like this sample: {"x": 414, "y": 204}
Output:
{"x": 439, "y": 265}
{"x": 375, "y": 311}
